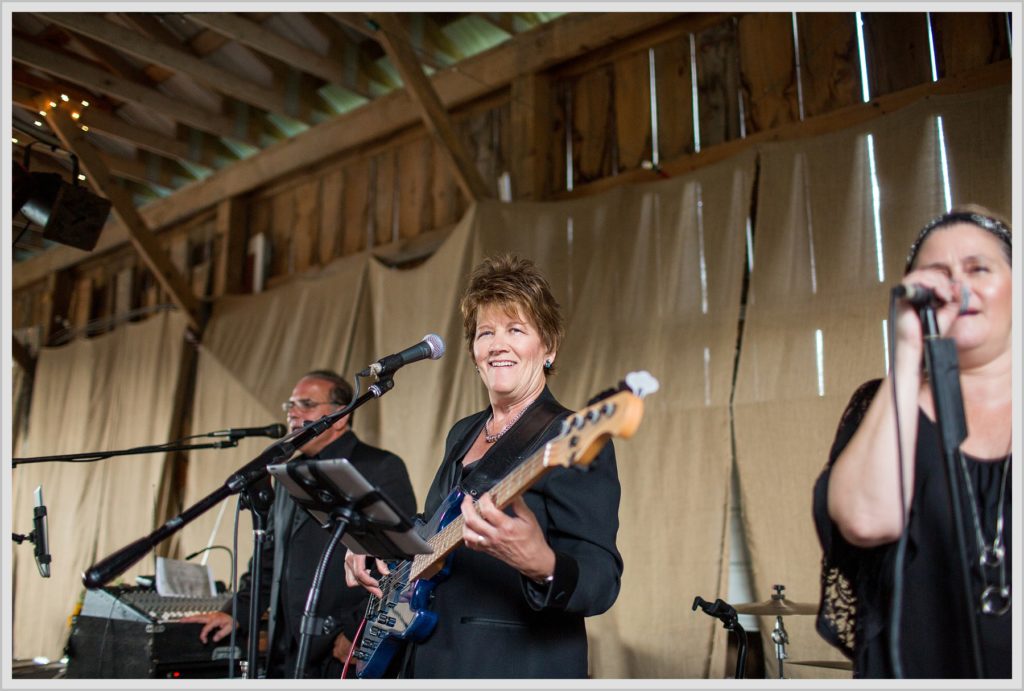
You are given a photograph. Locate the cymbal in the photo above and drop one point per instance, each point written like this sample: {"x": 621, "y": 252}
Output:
{"x": 780, "y": 608}
{"x": 831, "y": 664}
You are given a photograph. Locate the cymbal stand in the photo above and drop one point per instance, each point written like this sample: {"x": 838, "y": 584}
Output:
{"x": 781, "y": 639}
{"x": 779, "y": 635}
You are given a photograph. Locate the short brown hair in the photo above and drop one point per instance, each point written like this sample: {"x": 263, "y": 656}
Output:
{"x": 513, "y": 283}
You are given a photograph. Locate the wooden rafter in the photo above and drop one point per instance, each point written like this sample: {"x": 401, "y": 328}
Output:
{"x": 97, "y": 80}
{"x": 343, "y": 49}
{"x": 569, "y": 37}
{"x": 435, "y": 117}
{"x": 22, "y": 356}
{"x": 157, "y": 52}
{"x": 99, "y": 178}
{"x": 265, "y": 41}
{"x": 201, "y": 154}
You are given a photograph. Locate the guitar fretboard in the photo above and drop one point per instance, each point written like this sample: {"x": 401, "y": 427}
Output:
{"x": 513, "y": 484}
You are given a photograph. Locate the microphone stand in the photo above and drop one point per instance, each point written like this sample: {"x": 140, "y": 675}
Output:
{"x": 100, "y": 455}
{"x": 726, "y": 613}
{"x": 246, "y": 477}
{"x": 944, "y": 377}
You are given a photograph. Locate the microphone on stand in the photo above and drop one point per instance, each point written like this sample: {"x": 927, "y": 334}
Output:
{"x": 918, "y": 295}
{"x": 430, "y": 347}
{"x": 274, "y": 431}
{"x": 40, "y": 533}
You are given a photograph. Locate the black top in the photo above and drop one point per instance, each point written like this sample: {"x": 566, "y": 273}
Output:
{"x": 293, "y": 549}
{"x": 492, "y": 621}
{"x": 857, "y": 583}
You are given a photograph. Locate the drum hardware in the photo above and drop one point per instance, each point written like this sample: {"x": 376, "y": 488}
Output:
{"x": 829, "y": 664}
{"x": 778, "y": 606}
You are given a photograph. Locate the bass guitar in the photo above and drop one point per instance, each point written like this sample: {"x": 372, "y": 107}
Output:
{"x": 401, "y": 614}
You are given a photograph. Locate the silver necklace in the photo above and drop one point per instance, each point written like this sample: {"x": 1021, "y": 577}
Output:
{"x": 995, "y": 600}
{"x": 491, "y": 438}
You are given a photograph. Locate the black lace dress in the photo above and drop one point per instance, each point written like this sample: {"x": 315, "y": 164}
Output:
{"x": 856, "y": 583}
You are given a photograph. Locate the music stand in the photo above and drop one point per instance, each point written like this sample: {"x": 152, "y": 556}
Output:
{"x": 365, "y": 519}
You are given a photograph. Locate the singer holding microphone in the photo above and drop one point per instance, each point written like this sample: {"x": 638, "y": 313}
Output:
{"x": 524, "y": 579}
{"x": 296, "y": 543}
{"x": 961, "y": 265}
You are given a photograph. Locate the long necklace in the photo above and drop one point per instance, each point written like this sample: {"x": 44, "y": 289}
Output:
{"x": 995, "y": 600}
{"x": 491, "y": 438}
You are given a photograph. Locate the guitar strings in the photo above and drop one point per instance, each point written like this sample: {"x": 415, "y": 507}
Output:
{"x": 398, "y": 577}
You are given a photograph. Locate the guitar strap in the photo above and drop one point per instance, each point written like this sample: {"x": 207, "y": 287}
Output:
{"x": 515, "y": 446}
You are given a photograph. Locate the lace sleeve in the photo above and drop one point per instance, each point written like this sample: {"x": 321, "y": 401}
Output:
{"x": 837, "y": 614}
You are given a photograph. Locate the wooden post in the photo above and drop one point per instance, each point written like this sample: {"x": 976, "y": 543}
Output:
{"x": 531, "y": 116}
{"x": 231, "y": 258}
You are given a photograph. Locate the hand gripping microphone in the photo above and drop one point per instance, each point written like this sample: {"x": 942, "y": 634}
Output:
{"x": 275, "y": 431}
{"x": 918, "y": 295}
{"x": 430, "y": 347}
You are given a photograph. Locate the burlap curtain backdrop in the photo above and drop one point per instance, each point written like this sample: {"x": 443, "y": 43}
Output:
{"x": 649, "y": 277}
{"x": 110, "y": 392}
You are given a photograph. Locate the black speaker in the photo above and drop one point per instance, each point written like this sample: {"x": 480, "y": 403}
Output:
{"x": 68, "y": 214}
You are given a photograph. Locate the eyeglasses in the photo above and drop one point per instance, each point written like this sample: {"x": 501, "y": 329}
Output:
{"x": 304, "y": 404}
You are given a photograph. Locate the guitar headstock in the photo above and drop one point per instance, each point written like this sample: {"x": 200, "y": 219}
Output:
{"x": 614, "y": 413}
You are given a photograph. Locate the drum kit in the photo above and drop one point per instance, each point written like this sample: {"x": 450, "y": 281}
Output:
{"x": 779, "y": 607}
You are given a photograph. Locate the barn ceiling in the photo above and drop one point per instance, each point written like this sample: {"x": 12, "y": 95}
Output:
{"x": 168, "y": 98}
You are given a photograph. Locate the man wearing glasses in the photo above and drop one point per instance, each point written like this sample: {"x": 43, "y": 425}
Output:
{"x": 297, "y": 542}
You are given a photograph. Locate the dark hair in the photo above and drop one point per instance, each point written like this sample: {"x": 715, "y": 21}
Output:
{"x": 973, "y": 214}
{"x": 513, "y": 283}
{"x": 341, "y": 390}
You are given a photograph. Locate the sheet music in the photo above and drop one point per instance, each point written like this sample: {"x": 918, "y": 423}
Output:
{"x": 177, "y": 578}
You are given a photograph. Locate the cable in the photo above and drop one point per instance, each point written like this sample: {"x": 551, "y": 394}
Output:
{"x": 234, "y": 593}
{"x": 231, "y": 554}
{"x": 901, "y": 546}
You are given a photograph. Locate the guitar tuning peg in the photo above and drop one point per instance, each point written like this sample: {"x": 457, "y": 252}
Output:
{"x": 642, "y": 383}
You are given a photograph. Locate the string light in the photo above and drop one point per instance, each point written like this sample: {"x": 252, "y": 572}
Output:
{"x": 14, "y": 140}
{"x": 64, "y": 97}
{"x": 85, "y": 104}
{"x": 81, "y": 176}
{"x": 75, "y": 116}
{"x": 38, "y": 124}
{"x": 53, "y": 104}
{"x": 43, "y": 113}
{"x": 85, "y": 128}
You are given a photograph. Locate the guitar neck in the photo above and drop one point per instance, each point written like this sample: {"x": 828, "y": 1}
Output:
{"x": 511, "y": 486}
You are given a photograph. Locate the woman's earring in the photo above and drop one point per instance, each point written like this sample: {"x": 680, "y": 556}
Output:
{"x": 547, "y": 364}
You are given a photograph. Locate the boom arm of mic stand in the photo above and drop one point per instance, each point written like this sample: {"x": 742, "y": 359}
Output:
{"x": 112, "y": 566}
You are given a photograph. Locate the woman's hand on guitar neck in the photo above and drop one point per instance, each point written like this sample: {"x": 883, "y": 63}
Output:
{"x": 517, "y": 540}
{"x": 357, "y": 572}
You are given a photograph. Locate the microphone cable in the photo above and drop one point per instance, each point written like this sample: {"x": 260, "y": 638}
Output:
{"x": 901, "y": 545}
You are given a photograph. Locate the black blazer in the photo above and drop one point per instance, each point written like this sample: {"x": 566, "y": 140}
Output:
{"x": 495, "y": 623}
{"x": 384, "y": 470}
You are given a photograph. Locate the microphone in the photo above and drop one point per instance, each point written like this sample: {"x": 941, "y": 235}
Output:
{"x": 41, "y": 535}
{"x": 274, "y": 431}
{"x": 430, "y": 347}
{"x": 918, "y": 295}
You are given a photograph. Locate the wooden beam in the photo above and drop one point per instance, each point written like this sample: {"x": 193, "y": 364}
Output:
{"x": 266, "y": 41}
{"x": 202, "y": 155}
{"x": 541, "y": 48}
{"x": 57, "y": 306}
{"x": 231, "y": 228}
{"x": 174, "y": 59}
{"x": 357, "y": 21}
{"x": 344, "y": 50}
{"x": 26, "y": 52}
{"x": 22, "y": 356}
{"x": 145, "y": 243}
{"x": 396, "y": 43}
{"x": 985, "y": 77}
{"x": 151, "y": 169}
